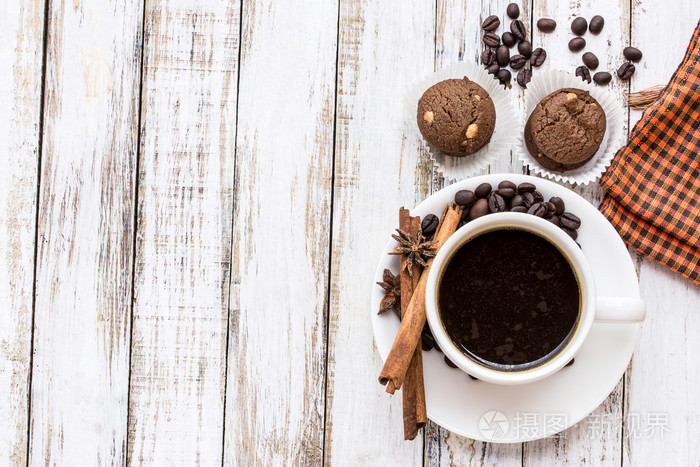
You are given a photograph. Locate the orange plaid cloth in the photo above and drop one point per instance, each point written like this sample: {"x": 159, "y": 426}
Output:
{"x": 653, "y": 183}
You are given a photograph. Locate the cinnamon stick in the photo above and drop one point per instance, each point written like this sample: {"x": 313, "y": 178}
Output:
{"x": 408, "y": 337}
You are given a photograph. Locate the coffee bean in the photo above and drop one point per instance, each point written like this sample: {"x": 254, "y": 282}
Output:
{"x": 429, "y": 224}
{"x": 488, "y": 57}
{"x": 504, "y": 76}
{"x": 513, "y": 10}
{"x": 582, "y": 72}
{"x": 538, "y": 196}
{"x": 508, "y": 39}
{"x": 590, "y": 60}
{"x": 437, "y": 347}
{"x": 480, "y": 208}
{"x": 576, "y": 44}
{"x": 483, "y": 190}
{"x": 525, "y": 49}
{"x": 518, "y": 29}
{"x": 554, "y": 220}
{"x": 572, "y": 360}
{"x": 493, "y": 69}
{"x": 546, "y": 25}
{"x": 539, "y": 55}
{"x": 625, "y": 71}
{"x": 496, "y": 202}
{"x": 525, "y": 187}
{"x": 538, "y": 209}
{"x": 492, "y": 40}
{"x": 602, "y": 78}
{"x": 559, "y": 204}
{"x": 524, "y": 77}
{"x": 571, "y": 233}
{"x": 502, "y": 55}
{"x": 522, "y": 209}
{"x": 427, "y": 342}
{"x": 507, "y": 193}
{"x": 465, "y": 198}
{"x": 570, "y": 221}
{"x": 632, "y": 54}
{"x": 449, "y": 362}
{"x": 517, "y": 201}
{"x": 491, "y": 23}
{"x": 517, "y": 61}
{"x": 597, "y": 23}
{"x": 579, "y": 26}
{"x": 551, "y": 209}
{"x": 529, "y": 199}
{"x": 507, "y": 184}
{"x": 473, "y": 377}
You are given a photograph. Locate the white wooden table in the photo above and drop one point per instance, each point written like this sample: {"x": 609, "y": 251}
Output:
{"x": 193, "y": 197}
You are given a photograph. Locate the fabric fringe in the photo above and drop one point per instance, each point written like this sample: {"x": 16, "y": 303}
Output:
{"x": 644, "y": 98}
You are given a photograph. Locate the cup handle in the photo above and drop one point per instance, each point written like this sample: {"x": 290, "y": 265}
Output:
{"x": 620, "y": 310}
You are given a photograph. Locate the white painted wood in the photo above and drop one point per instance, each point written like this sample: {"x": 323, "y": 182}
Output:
{"x": 83, "y": 284}
{"x": 662, "y": 388}
{"x": 380, "y": 165}
{"x": 277, "y": 340}
{"x": 21, "y": 45}
{"x": 183, "y": 249}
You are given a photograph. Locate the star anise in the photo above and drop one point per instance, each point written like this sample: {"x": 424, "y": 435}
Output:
{"x": 392, "y": 287}
{"x": 415, "y": 248}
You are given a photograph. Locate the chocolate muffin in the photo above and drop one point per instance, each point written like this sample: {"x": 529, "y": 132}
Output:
{"x": 457, "y": 116}
{"x": 565, "y": 129}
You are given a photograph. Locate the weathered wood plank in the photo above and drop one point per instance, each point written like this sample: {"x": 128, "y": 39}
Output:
{"x": 183, "y": 247}
{"x": 662, "y": 397}
{"x": 380, "y": 164}
{"x": 84, "y": 259}
{"x": 276, "y": 370}
{"x": 21, "y": 46}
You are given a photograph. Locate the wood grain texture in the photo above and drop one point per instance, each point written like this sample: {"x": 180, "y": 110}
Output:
{"x": 84, "y": 259}
{"x": 276, "y": 371}
{"x": 381, "y": 163}
{"x": 21, "y": 46}
{"x": 183, "y": 249}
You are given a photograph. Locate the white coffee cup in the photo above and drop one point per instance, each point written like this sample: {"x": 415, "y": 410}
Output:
{"x": 592, "y": 307}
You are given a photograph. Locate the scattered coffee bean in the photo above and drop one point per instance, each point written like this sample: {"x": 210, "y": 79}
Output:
{"x": 429, "y": 224}
{"x": 492, "y": 40}
{"x": 554, "y": 220}
{"x": 632, "y": 54}
{"x": 427, "y": 342}
{"x": 491, "y": 23}
{"x": 551, "y": 209}
{"x": 522, "y": 209}
{"x": 496, "y": 202}
{"x": 570, "y": 221}
{"x": 546, "y": 25}
{"x": 493, "y": 69}
{"x": 537, "y": 196}
{"x": 525, "y": 49}
{"x": 597, "y": 23}
{"x": 513, "y": 11}
{"x": 504, "y": 77}
{"x": 575, "y": 45}
{"x": 559, "y": 204}
{"x": 539, "y": 55}
{"x": 602, "y": 78}
{"x": 524, "y": 77}
{"x": 571, "y": 233}
{"x": 507, "y": 184}
{"x": 625, "y": 71}
{"x": 483, "y": 190}
{"x": 488, "y": 57}
{"x": 508, "y": 39}
{"x": 538, "y": 209}
{"x": 518, "y": 29}
{"x": 517, "y": 201}
{"x": 529, "y": 199}
{"x": 473, "y": 377}
{"x": 525, "y": 187}
{"x": 517, "y": 61}
{"x": 572, "y": 360}
{"x": 590, "y": 60}
{"x": 449, "y": 362}
{"x": 507, "y": 193}
{"x": 465, "y": 198}
{"x": 480, "y": 208}
{"x": 579, "y": 26}
{"x": 502, "y": 55}
{"x": 582, "y": 72}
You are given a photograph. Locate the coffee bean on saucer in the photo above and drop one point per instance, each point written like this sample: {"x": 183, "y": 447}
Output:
{"x": 582, "y": 72}
{"x": 538, "y": 196}
{"x": 571, "y": 233}
{"x": 572, "y": 360}
{"x": 539, "y": 55}
{"x": 625, "y": 71}
{"x": 496, "y": 202}
{"x": 525, "y": 187}
{"x": 524, "y": 77}
{"x": 504, "y": 76}
{"x": 473, "y": 377}
{"x": 518, "y": 29}
{"x": 488, "y": 57}
{"x": 529, "y": 199}
{"x": 576, "y": 44}
{"x": 596, "y": 25}
{"x": 427, "y": 342}
{"x": 506, "y": 193}
{"x": 632, "y": 54}
{"x": 508, "y": 39}
{"x": 480, "y": 208}
{"x": 554, "y": 220}
{"x": 579, "y": 26}
{"x": 522, "y": 209}
{"x": 507, "y": 184}
{"x": 465, "y": 198}
{"x": 525, "y": 49}
{"x": 590, "y": 60}
{"x": 517, "y": 201}
{"x": 491, "y": 23}
{"x": 537, "y": 209}
{"x": 570, "y": 221}
{"x": 517, "y": 61}
{"x": 429, "y": 224}
{"x": 494, "y": 68}
{"x": 513, "y": 10}
{"x": 546, "y": 25}
{"x": 449, "y": 362}
{"x": 602, "y": 78}
{"x": 502, "y": 55}
{"x": 492, "y": 40}
{"x": 551, "y": 208}
{"x": 559, "y": 204}
{"x": 483, "y": 190}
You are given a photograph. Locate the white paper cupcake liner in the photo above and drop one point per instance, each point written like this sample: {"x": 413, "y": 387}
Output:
{"x": 505, "y": 130}
{"x": 546, "y": 82}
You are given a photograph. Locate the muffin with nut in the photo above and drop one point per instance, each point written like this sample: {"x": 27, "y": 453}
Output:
{"x": 457, "y": 116}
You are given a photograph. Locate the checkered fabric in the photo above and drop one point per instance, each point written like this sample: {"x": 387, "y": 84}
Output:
{"x": 653, "y": 184}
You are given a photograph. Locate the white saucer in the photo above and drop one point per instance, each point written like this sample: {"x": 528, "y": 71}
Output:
{"x": 507, "y": 414}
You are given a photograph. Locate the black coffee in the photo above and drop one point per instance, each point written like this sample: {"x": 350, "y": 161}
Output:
{"x": 509, "y": 297}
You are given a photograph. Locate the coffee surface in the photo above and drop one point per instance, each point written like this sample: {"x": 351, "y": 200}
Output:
{"x": 509, "y": 297}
